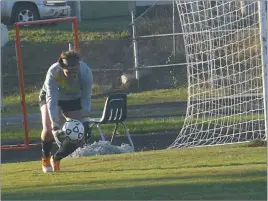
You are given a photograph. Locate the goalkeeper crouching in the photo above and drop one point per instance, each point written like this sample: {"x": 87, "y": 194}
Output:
{"x": 67, "y": 90}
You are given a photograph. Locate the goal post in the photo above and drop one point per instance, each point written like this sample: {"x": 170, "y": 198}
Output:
{"x": 21, "y": 75}
{"x": 264, "y": 52}
{"x": 226, "y": 53}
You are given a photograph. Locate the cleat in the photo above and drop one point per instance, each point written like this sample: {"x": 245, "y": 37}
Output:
{"x": 46, "y": 166}
{"x": 55, "y": 164}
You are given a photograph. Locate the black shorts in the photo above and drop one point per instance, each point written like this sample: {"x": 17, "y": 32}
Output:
{"x": 65, "y": 105}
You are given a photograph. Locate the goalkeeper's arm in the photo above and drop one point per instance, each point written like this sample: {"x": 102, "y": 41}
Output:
{"x": 52, "y": 94}
{"x": 86, "y": 90}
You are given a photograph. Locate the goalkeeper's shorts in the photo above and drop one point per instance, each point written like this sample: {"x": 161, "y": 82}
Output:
{"x": 65, "y": 105}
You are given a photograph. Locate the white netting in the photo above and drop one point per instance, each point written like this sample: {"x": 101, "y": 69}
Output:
{"x": 225, "y": 87}
{"x": 101, "y": 148}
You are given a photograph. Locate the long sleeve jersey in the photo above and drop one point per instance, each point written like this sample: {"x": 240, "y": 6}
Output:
{"x": 59, "y": 87}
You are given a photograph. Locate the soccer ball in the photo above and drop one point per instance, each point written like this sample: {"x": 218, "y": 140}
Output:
{"x": 73, "y": 129}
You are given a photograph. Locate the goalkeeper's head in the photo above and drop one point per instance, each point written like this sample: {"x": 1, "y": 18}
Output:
{"x": 69, "y": 61}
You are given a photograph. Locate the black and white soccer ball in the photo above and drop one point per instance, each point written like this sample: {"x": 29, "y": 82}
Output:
{"x": 74, "y": 130}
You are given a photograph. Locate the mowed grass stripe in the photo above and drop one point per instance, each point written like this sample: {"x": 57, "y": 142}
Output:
{"x": 223, "y": 172}
{"x": 135, "y": 127}
{"x": 146, "y": 126}
{"x": 12, "y": 102}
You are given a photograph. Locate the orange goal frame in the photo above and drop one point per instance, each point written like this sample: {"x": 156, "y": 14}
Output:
{"x": 17, "y": 25}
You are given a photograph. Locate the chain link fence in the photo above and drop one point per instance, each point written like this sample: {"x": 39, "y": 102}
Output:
{"x": 159, "y": 47}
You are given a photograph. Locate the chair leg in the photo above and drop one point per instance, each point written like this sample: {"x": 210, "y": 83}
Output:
{"x": 128, "y": 135}
{"x": 101, "y": 133}
{"x": 88, "y": 135}
{"x": 115, "y": 129}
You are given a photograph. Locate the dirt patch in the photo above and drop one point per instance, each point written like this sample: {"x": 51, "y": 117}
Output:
{"x": 257, "y": 143}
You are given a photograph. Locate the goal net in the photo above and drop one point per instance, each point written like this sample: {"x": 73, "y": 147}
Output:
{"x": 224, "y": 48}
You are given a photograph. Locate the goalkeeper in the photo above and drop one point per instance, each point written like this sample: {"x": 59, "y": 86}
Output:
{"x": 67, "y": 90}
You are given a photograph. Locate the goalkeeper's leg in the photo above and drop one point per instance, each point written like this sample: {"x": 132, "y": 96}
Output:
{"x": 65, "y": 150}
{"x": 67, "y": 146}
{"x": 46, "y": 139}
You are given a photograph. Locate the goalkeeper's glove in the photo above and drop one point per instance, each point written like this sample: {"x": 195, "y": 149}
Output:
{"x": 57, "y": 133}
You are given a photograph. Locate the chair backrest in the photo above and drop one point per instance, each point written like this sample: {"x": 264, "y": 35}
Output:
{"x": 115, "y": 109}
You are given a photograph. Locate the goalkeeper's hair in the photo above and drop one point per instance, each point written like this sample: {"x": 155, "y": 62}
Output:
{"x": 72, "y": 56}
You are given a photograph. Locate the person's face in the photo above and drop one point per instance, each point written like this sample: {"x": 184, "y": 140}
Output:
{"x": 71, "y": 72}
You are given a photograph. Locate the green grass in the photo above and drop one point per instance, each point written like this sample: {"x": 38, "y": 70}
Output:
{"x": 110, "y": 28}
{"x": 12, "y": 135}
{"x": 12, "y": 106}
{"x": 59, "y": 36}
{"x": 135, "y": 127}
{"x": 210, "y": 173}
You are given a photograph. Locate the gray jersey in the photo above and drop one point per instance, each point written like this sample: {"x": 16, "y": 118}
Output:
{"x": 58, "y": 87}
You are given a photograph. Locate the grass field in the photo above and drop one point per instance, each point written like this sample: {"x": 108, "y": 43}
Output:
{"x": 12, "y": 106}
{"x": 211, "y": 173}
{"x": 228, "y": 172}
{"x": 135, "y": 127}
{"x": 144, "y": 126}
{"x": 94, "y": 29}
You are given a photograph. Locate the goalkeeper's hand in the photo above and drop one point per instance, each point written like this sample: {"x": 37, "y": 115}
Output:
{"x": 57, "y": 133}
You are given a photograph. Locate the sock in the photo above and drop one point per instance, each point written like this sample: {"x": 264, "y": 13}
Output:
{"x": 46, "y": 148}
{"x": 66, "y": 149}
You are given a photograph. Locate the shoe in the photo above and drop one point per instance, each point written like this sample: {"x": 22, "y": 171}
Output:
{"x": 46, "y": 166}
{"x": 55, "y": 164}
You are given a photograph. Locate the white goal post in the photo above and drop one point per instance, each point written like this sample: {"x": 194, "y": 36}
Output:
{"x": 226, "y": 53}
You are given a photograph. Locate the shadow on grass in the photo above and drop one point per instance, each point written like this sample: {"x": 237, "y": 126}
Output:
{"x": 174, "y": 187}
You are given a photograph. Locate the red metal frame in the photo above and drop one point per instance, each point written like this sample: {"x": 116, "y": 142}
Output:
{"x": 74, "y": 21}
